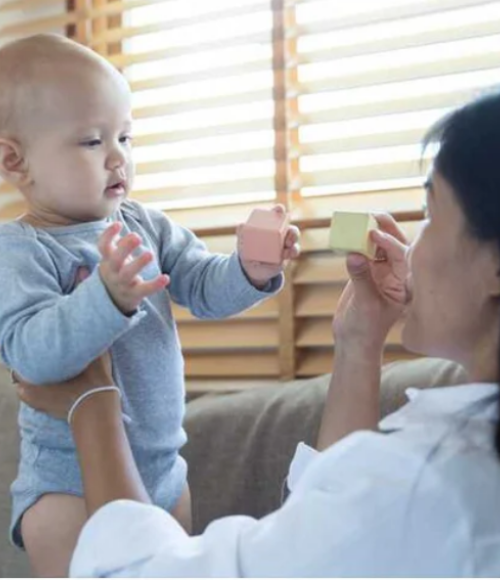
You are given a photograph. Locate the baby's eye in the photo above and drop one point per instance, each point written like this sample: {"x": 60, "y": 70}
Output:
{"x": 91, "y": 143}
{"x": 126, "y": 139}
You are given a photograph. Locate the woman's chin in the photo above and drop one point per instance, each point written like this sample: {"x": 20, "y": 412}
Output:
{"x": 416, "y": 340}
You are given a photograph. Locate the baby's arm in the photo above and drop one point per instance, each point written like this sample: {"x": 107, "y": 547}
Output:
{"x": 210, "y": 285}
{"x": 45, "y": 335}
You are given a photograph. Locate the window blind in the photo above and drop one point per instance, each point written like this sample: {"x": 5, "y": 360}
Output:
{"x": 345, "y": 89}
{"x": 368, "y": 79}
{"x": 316, "y": 104}
{"x": 372, "y": 76}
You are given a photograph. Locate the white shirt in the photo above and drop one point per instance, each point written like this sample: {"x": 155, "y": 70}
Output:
{"x": 421, "y": 500}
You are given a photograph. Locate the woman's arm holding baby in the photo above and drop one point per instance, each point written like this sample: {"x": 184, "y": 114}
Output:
{"x": 107, "y": 465}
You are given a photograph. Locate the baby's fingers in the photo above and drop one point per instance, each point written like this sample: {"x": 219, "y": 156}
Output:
{"x": 292, "y": 236}
{"x": 106, "y": 240}
{"x": 279, "y": 208}
{"x": 292, "y": 253}
{"x": 145, "y": 289}
{"x": 123, "y": 251}
{"x": 133, "y": 267}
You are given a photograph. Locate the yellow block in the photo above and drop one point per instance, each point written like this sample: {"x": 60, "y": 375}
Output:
{"x": 350, "y": 233}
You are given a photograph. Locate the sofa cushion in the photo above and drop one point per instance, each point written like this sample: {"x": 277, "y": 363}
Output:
{"x": 13, "y": 562}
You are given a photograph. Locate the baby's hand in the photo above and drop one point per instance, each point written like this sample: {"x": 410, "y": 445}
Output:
{"x": 259, "y": 273}
{"x": 119, "y": 270}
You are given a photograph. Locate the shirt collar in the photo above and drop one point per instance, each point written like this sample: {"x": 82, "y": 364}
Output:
{"x": 478, "y": 399}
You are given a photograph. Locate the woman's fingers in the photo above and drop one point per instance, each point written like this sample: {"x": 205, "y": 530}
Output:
{"x": 57, "y": 399}
{"x": 392, "y": 247}
{"x": 360, "y": 275}
{"x": 34, "y": 396}
{"x": 389, "y": 225}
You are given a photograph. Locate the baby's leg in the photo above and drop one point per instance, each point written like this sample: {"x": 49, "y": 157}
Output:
{"x": 50, "y": 529}
{"x": 182, "y": 510}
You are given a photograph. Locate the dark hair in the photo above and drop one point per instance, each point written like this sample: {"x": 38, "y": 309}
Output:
{"x": 469, "y": 159}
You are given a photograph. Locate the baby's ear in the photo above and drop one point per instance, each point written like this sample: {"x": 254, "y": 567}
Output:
{"x": 13, "y": 164}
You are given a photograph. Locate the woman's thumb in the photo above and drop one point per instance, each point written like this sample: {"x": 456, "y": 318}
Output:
{"x": 359, "y": 270}
{"x": 357, "y": 266}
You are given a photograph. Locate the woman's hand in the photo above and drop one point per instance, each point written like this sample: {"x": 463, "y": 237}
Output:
{"x": 57, "y": 400}
{"x": 376, "y": 295}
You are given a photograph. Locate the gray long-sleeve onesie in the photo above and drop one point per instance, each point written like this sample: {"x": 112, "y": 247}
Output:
{"x": 50, "y": 331}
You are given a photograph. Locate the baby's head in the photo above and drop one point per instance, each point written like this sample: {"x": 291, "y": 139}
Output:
{"x": 65, "y": 125}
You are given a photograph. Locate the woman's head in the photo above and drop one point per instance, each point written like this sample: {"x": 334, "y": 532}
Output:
{"x": 455, "y": 261}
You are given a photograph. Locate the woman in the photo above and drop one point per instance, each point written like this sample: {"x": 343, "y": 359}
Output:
{"x": 420, "y": 499}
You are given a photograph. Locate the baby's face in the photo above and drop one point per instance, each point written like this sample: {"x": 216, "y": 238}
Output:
{"x": 79, "y": 146}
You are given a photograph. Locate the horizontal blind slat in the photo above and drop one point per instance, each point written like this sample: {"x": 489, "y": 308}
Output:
{"x": 377, "y": 12}
{"x": 391, "y": 107}
{"x": 220, "y": 188}
{"x": 216, "y": 73}
{"x": 362, "y": 173}
{"x": 380, "y": 45}
{"x": 24, "y": 5}
{"x": 39, "y": 25}
{"x": 123, "y": 33}
{"x": 267, "y": 310}
{"x": 404, "y": 73}
{"x": 314, "y": 362}
{"x": 130, "y": 59}
{"x": 314, "y": 332}
{"x": 206, "y": 104}
{"x": 191, "y": 134}
{"x": 204, "y": 161}
{"x": 230, "y": 335}
{"x": 119, "y": 7}
{"x": 225, "y": 364}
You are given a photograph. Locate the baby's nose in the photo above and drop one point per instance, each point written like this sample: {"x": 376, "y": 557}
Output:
{"x": 115, "y": 160}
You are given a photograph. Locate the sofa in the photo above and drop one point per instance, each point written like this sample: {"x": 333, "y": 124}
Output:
{"x": 240, "y": 444}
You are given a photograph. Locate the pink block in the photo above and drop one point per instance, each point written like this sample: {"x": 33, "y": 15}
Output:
{"x": 262, "y": 238}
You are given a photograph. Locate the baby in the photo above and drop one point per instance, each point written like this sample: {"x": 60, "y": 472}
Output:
{"x": 65, "y": 144}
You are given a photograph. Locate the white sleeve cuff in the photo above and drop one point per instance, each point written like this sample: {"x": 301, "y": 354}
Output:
{"x": 304, "y": 455}
{"x": 120, "y": 538}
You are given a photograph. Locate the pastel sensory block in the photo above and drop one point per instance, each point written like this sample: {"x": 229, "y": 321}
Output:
{"x": 262, "y": 238}
{"x": 350, "y": 233}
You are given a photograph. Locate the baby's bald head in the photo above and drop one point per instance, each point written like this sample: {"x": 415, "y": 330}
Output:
{"x": 33, "y": 68}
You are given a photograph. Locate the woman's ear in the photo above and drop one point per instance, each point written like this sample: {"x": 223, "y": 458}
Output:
{"x": 13, "y": 164}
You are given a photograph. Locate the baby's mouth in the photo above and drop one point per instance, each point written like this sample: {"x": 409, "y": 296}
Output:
{"x": 116, "y": 189}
